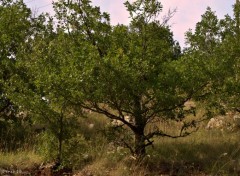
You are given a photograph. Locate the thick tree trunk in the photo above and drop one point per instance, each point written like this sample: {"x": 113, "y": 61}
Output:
{"x": 139, "y": 148}
{"x": 140, "y": 123}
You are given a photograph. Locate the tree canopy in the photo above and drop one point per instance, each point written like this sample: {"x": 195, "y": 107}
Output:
{"x": 55, "y": 67}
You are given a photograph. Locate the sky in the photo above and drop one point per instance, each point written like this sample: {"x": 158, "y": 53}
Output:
{"x": 187, "y": 15}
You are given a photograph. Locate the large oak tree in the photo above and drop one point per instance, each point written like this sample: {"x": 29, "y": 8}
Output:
{"x": 135, "y": 70}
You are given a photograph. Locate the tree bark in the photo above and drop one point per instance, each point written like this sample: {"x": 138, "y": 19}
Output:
{"x": 140, "y": 123}
{"x": 140, "y": 147}
{"x": 60, "y": 138}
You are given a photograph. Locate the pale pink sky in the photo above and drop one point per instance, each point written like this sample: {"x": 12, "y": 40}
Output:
{"x": 188, "y": 11}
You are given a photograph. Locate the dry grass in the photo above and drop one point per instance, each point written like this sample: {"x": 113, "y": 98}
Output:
{"x": 205, "y": 152}
{"x": 21, "y": 160}
{"x": 208, "y": 152}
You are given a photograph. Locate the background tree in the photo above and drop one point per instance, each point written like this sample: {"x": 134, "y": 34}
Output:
{"x": 15, "y": 25}
{"x": 214, "y": 45}
{"x": 230, "y": 54}
{"x": 40, "y": 86}
{"x": 50, "y": 69}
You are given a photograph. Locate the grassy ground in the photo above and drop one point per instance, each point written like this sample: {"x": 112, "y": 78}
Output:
{"x": 206, "y": 152}
{"x": 19, "y": 163}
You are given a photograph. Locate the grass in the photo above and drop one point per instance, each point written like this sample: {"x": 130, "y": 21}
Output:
{"x": 20, "y": 160}
{"x": 200, "y": 154}
{"x": 206, "y": 152}
{"x": 215, "y": 156}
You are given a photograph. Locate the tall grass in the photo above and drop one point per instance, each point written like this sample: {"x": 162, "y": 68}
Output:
{"x": 91, "y": 152}
{"x": 205, "y": 152}
{"x": 202, "y": 152}
{"x": 21, "y": 160}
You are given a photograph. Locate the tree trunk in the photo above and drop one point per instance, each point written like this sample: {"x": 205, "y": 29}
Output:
{"x": 139, "y": 148}
{"x": 60, "y": 138}
{"x": 140, "y": 123}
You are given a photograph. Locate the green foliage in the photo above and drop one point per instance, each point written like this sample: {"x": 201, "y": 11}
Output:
{"x": 133, "y": 74}
{"x": 15, "y": 133}
{"x": 15, "y": 24}
{"x": 137, "y": 76}
{"x": 73, "y": 152}
{"x": 207, "y": 33}
{"x": 214, "y": 45}
{"x": 47, "y": 146}
{"x": 85, "y": 63}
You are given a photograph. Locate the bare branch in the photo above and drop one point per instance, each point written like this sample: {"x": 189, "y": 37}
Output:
{"x": 128, "y": 146}
{"x": 96, "y": 108}
{"x": 166, "y": 18}
{"x": 183, "y": 132}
